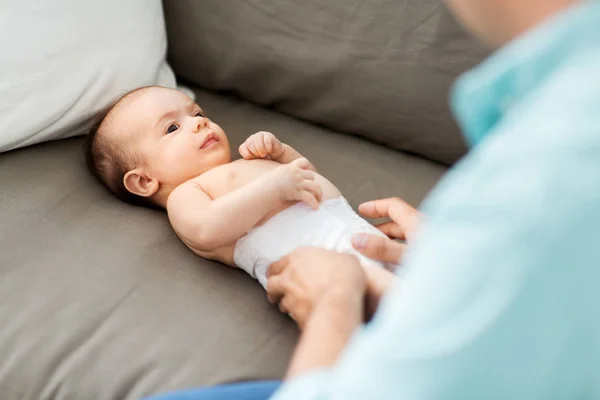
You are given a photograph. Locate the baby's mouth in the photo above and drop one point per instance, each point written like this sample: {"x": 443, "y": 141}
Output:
{"x": 209, "y": 140}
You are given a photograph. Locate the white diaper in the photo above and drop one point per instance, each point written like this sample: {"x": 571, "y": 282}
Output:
{"x": 331, "y": 226}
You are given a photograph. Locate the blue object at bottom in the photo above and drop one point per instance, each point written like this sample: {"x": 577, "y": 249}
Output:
{"x": 258, "y": 390}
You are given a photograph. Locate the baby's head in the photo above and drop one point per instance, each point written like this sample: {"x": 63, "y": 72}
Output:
{"x": 151, "y": 141}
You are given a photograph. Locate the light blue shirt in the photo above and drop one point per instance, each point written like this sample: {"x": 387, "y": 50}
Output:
{"x": 501, "y": 297}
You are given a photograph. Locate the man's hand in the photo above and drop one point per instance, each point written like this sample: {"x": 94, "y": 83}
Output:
{"x": 295, "y": 182}
{"x": 262, "y": 145}
{"x": 313, "y": 278}
{"x": 404, "y": 222}
{"x": 323, "y": 291}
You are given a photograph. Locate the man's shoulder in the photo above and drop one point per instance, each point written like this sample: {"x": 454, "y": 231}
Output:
{"x": 561, "y": 115}
{"x": 569, "y": 96}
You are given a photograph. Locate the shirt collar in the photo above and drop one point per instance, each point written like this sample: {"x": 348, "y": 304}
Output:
{"x": 481, "y": 96}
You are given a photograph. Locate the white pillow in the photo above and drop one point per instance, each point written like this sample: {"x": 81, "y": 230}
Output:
{"x": 63, "y": 61}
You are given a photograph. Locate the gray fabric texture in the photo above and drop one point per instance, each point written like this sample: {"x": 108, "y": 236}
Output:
{"x": 380, "y": 69}
{"x": 100, "y": 300}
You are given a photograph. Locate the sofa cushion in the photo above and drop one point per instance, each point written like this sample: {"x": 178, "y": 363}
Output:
{"x": 100, "y": 300}
{"x": 65, "y": 60}
{"x": 379, "y": 69}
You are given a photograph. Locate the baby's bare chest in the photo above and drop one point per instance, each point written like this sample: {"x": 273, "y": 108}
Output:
{"x": 229, "y": 177}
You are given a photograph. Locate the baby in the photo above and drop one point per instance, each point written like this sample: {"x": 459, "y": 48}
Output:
{"x": 157, "y": 148}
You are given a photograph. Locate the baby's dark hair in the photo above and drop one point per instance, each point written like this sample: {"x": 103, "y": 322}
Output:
{"x": 109, "y": 162}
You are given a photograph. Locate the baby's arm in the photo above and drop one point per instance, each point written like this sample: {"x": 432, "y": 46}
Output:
{"x": 266, "y": 145}
{"x": 208, "y": 225}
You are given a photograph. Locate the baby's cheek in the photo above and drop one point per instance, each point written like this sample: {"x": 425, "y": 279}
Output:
{"x": 218, "y": 130}
{"x": 172, "y": 161}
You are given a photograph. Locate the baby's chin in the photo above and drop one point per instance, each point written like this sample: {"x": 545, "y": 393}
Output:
{"x": 217, "y": 160}
{"x": 222, "y": 159}
{"x": 227, "y": 156}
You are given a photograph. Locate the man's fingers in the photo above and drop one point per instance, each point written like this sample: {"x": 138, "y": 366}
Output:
{"x": 275, "y": 283}
{"x": 282, "y": 306}
{"x": 377, "y": 208}
{"x": 298, "y": 312}
{"x": 383, "y": 208}
{"x": 277, "y": 267}
{"x": 392, "y": 230}
{"x": 404, "y": 215}
{"x": 300, "y": 315}
{"x": 378, "y": 248}
{"x": 399, "y": 211}
{"x": 286, "y": 305}
{"x": 275, "y": 289}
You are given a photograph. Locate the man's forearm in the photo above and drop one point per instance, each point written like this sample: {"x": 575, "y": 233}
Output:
{"x": 290, "y": 154}
{"x": 327, "y": 332}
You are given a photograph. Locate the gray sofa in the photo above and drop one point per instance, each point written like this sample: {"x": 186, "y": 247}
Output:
{"x": 100, "y": 300}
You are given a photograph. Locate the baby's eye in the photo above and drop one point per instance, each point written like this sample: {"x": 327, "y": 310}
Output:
{"x": 172, "y": 128}
{"x": 199, "y": 114}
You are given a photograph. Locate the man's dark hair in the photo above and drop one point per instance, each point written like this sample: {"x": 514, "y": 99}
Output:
{"x": 109, "y": 162}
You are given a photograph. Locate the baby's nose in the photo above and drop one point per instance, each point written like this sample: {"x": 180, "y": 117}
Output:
{"x": 201, "y": 122}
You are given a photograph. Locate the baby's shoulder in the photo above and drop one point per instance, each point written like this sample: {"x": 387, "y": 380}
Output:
{"x": 186, "y": 194}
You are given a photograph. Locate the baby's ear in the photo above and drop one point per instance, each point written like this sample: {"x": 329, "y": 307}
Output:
{"x": 137, "y": 181}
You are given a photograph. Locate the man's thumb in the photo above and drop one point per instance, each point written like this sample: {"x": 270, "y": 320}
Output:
{"x": 378, "y": 248}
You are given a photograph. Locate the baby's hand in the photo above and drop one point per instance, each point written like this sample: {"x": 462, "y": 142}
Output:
{"x": 262, "y": 145}
{"x": 295, "y": 182}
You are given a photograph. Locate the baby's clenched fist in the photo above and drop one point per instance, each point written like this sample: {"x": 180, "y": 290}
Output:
{"x": 262, "y": 145}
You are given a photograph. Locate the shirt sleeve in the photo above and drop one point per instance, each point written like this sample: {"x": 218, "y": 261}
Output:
{"x": 498, "y": 297}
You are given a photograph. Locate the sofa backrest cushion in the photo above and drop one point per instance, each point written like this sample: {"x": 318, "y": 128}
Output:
{"x": 379, "y": 69}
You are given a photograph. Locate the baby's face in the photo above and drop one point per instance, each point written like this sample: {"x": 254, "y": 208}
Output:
{"x": 171, "y": 134}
